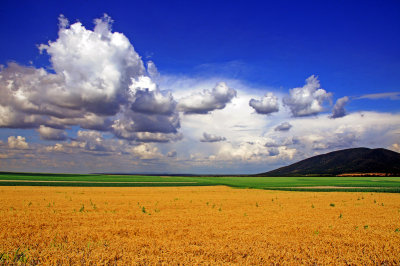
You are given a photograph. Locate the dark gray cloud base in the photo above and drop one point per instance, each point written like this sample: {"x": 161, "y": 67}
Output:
{"x": 285, "y": 126}
{"x": 211, "y": 138}
{"x": 338, "y": 109}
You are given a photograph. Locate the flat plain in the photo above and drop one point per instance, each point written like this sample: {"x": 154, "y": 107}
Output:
{"x": 309, "y": 183}
{"x": 190, "y": 225}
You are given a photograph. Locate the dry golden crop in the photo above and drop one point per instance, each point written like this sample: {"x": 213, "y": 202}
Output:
{"x": 192, "y": 225}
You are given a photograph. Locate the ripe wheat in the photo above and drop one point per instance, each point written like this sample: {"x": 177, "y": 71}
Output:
{"x": 193, "y": 225}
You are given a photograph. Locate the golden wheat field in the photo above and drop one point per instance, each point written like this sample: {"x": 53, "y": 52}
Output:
{"x": 193, "y": 225}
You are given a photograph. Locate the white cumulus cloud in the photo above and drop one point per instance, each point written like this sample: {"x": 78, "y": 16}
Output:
{"x": 207, "y": 100}
{"x": 267, "y": 105}
{"x": 17, "y": 143}
{"x": 98, "y": 80}
{"x": 307, "y": 100}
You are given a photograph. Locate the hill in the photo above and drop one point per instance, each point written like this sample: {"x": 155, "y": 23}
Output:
{"x": 354, "y": 161}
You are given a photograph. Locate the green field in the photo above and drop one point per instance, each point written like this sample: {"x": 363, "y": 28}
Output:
{"x": 370, "y": 184}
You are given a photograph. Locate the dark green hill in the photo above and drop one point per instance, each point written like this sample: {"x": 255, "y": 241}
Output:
{"x": 349, "y": 161}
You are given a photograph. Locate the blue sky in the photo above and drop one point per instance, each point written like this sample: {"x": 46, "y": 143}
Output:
{"x": 253, "y": 47}
{"x": 352, "y": 45}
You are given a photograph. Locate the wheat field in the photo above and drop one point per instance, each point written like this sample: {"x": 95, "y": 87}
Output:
{"x": 196, "y": 225}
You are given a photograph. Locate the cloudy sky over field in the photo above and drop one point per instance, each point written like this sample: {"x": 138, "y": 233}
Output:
{"x": 205, "y": 87}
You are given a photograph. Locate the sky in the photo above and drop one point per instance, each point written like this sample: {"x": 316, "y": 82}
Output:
{"x": 195, "y": 87}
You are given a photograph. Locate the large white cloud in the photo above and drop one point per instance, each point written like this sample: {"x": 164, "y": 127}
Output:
{"x": 96, "y": 66}
{"x": 307, "y": 100}
{"x": 98, "y": 80}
